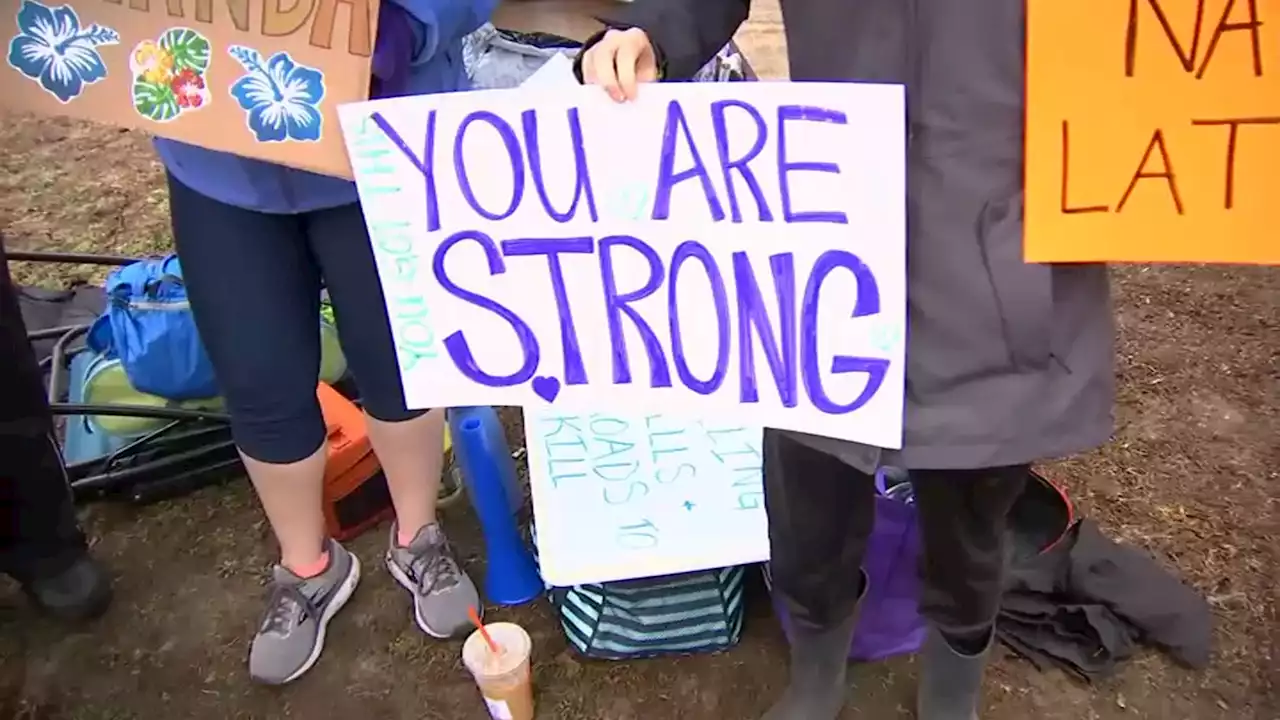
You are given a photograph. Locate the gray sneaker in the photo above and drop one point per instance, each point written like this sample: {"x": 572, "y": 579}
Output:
{"x": 441, "y": 592}
{"x": 291, "y": 636}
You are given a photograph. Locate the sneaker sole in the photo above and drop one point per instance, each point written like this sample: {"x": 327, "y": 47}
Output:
{"x": 339, "y": 599}
{"x": 404, "y": 582}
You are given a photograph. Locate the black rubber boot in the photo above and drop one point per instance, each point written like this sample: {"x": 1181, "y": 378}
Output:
{"x": 950, "y": 681}
{"x": 819, "y": 664}
{"x": 81, "y": 591}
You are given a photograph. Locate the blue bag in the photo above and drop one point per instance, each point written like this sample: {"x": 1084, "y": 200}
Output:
{"x": 149, "y": 327}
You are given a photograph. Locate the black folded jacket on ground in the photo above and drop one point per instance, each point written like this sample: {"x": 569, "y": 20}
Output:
{"x": 1086, "y": 605}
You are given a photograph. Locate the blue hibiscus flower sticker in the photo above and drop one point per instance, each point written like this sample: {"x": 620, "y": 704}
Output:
{"x": 53, "y": 49}
{"x": 279, "y": 96}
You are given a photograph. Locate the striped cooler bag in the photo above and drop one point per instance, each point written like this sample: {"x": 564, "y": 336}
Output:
{"x": 670, "y": 615}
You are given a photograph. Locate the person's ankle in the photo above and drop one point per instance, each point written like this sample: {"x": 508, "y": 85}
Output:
{"x": 307, "y": 569}
{"x": 405, "y": 533}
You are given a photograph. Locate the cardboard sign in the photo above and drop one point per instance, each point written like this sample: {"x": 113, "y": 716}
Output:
{"x": 719, "y": 250}
{"x": 1153, "y": 131}
{"x": 259, "y": 78}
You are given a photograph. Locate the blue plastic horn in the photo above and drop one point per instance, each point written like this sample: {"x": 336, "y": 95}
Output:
{"x": 480, "y": 447}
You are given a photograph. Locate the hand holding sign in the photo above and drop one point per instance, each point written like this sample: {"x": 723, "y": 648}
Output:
{"x": 754, "y": 286}
{"x": 619, "y": 61}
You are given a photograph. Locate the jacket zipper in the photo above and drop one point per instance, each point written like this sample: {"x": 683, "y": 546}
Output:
{"x": 156, "y": 305}
{"x": 914, "y": 50}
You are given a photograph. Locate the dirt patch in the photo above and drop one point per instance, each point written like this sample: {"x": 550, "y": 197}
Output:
{"x": 1191, "y": 476}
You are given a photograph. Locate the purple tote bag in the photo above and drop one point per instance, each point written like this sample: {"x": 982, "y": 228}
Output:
{"x": 890, "y": 623}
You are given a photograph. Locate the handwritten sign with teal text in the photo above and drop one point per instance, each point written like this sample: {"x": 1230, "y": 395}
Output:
{"x": 618, "y": 496}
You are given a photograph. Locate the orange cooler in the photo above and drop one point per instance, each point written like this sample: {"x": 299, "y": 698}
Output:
{"x": 356, "y": 496}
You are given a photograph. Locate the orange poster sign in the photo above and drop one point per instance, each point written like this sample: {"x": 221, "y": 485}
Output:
{"x": 259, "y": 78}
{"x": 1153, "y": 131}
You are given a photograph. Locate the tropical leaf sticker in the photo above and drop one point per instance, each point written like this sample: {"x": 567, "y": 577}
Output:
{"x": 190, "y": 49}
{"x": 154, "y": 101}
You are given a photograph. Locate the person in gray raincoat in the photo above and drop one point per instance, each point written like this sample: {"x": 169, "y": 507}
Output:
{"x": 1007, "y": 362}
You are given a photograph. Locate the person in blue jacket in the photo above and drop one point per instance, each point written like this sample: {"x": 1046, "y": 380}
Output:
{"x": 257, "y": 241}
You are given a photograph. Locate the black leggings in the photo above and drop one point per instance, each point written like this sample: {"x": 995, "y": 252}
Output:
{"x": 254, "y": 280}
{"x": 821, "y": 512}
{"x": 39, "y": 535}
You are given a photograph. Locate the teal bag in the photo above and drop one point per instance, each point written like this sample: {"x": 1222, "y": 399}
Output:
{"x": 670, "y": 615}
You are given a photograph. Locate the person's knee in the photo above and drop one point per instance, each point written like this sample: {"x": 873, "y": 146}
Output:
{"x": 377, "y": 379}
{"x": 277, "y": 426}
{"x": 389, "y": 407}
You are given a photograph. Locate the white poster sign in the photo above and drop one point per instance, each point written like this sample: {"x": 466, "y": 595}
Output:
{"x": 730, "y": 250}
{"x": 618, "y": 497}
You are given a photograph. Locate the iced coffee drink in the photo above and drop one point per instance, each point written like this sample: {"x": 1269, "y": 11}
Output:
{"x": 504, "y": 676}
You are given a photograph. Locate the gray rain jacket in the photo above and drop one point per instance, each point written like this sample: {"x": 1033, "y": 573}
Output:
{"x": 1007, "y": 363}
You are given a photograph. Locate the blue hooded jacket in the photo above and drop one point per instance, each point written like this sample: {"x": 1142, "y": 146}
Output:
{"x": 435, "y": 65}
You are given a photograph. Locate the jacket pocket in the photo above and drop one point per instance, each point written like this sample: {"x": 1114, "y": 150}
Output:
{"x": 1023, "y": 291}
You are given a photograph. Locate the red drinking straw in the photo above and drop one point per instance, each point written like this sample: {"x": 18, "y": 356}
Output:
{"x": 475, "y": 620}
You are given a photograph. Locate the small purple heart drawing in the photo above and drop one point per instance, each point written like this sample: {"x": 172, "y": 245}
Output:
{"x": 546, "y": 387}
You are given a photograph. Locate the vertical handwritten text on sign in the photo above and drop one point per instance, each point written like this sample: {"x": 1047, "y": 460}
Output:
{"x": 620, "y": 497}
{"x": 1161, "y": 142}
{"x": 711, "y": 250}
{"x": 395, "y": 246}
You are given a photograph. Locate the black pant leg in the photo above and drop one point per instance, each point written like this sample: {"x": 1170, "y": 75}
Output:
{"x": 963, "y": 522}
{"x": 39, "y": 533}
{"x": 821, "y": 512}
{"x": 255, "y": 296}
{"x": 340, "y": 242}
{"x": 24, "y": 404}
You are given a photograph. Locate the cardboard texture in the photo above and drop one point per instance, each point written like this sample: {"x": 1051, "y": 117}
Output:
{"x": 259, "y": 78}
{"x": 1153, "y": 131}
